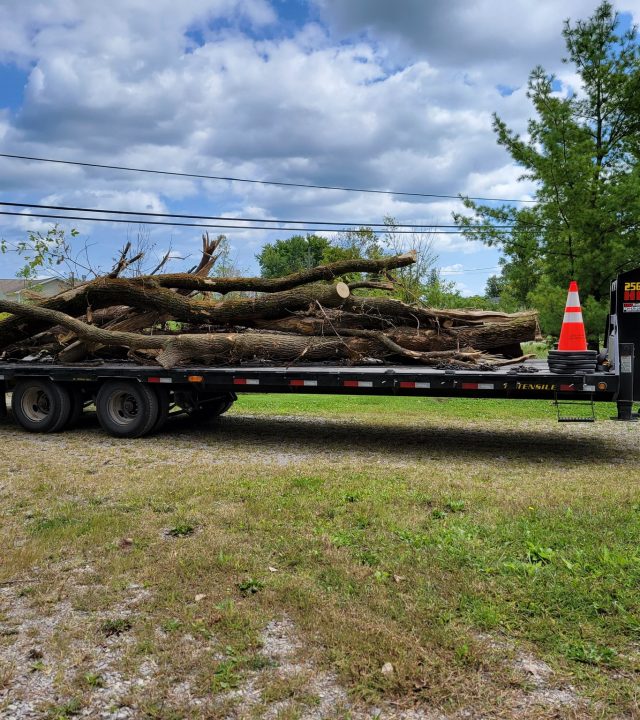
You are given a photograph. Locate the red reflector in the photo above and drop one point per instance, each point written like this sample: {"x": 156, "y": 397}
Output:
{"x": 239, "y": 381}
{"x": 469, "y": 386}
{"x": 153, "y": 379}
{"x": 407, "y": 384}
{"x": 567, "y": 388}
{"x": 350, "y": 383}
{"x": 296, "y": 382}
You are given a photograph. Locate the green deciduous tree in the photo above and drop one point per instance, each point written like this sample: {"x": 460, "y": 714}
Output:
{"x": 296, "y": 253}
{"x": 43, "y": 253}
{"x": 582, "y": 150}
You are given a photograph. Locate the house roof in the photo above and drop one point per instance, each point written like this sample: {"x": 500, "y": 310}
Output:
{"x": 12, "y": 285}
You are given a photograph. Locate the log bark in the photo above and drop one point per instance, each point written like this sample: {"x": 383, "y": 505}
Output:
{"x": 482, "y": 337}
{"x": 235, "y": 347}
{"x": 418, "y": 316}
{"x": 146, "y": 295}
{"x": 508, "y": 331}
{"x": 330, "y": 271}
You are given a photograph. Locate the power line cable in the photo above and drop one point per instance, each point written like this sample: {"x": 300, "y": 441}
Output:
{"x": 387, "y": 228}
{"x": 259, "y": 182}
{"x": 216, "y": 227}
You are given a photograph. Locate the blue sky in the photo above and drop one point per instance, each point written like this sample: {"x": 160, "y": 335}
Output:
{"x": 366, "y": 94}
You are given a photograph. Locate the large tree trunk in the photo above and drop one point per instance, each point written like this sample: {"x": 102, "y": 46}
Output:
{"x": 97, "y": 293}
{"x": 147, "y": 296}
{"x": 415, "y": 315}
{"x": 515, "y": 329}
{"x": 233, "y": 348}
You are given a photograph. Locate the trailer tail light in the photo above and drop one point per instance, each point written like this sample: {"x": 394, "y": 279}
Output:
{"x": 195, "y": 378}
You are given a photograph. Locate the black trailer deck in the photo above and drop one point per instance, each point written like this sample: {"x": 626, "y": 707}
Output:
{"x": 532, "y": 380}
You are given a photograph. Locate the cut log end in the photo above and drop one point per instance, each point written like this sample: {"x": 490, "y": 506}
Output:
{"x": 343, "y": 290}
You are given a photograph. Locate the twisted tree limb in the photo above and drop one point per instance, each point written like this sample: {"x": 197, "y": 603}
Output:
{"x": 330, "y": 271}
{"x": 147, "y": 295}
{"x": 76, "y": 300}
{"x": 235, "y": 347}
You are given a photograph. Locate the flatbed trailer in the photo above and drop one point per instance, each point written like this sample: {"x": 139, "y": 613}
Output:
{"x": 133, "y": 400}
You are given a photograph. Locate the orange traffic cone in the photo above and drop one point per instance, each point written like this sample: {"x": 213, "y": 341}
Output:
{"x": 572, "y": 336}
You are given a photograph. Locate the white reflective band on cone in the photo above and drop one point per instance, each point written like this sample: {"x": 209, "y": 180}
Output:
{"x": 573, "y": 299}
{"x": 573, "y": 317}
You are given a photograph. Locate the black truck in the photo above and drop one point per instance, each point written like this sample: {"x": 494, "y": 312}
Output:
{"x": 133, "y": 400}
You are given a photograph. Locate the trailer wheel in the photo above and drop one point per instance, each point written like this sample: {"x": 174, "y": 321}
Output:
{"x": 77, "y": 408}
{"x": 127, "y": 409}
{"x": 164, "y": 406}
{"x": 41, "y": 405}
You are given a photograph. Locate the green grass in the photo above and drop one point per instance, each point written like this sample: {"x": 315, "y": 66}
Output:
{"x": 418, "y": 532}
{"x": 403, "y": 409}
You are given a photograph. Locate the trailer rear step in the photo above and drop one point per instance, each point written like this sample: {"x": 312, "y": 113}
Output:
{"x": 586, "y": 404}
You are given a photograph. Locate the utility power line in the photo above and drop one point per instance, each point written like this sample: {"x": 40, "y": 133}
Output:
{"x": 259, "y": 182}
{"x": 206, "y": 226}
{"x": 384, "y": 226}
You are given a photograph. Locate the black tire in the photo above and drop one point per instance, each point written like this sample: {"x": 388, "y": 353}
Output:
{"x": 572, "y": 366}
{"x": 127, "y": 409}
{"x": 577, "y": 355}
{"x": 163, "y": 409}
{"x": 77, "y": 407}
{"x": 41, "y": 405}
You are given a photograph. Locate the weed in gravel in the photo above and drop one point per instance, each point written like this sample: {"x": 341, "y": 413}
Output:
{"x": 591, "y": 654}
{"x": 66, "y": 710}
{"x": 115, "y": 626}
{"x": 93, "y": 680}
{"x": 171, "y": 625}
{"x": 180, "y": 530}
{"x": 250, "y": 586}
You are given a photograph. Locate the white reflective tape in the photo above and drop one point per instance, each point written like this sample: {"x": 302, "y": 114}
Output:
{"x": 365, "y": 383}
{"x": 252, "y": 381}
{"x": 573, "y": 317}
{"x": 485, "y": 386}
{"x": 573, "y": 299}
{"x": 589, "y": 388}
{"x": 310, "y": 383}
{"x": 422, "y": 385}
{"x": 165, "y": 380}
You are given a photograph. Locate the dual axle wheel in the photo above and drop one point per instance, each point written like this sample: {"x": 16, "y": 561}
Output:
{"x": 124, "y": 408}
{"x": 44, "y": 406}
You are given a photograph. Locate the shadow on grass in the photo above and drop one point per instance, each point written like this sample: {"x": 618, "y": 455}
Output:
{"x": 299, "y": 435}
{"x": 258, "y": 438}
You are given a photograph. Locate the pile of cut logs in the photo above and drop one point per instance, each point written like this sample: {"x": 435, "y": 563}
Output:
{"x": 332, "y": 313}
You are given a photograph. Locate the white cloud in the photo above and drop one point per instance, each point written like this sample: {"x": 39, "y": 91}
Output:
{"x": 504, "y": 36}
{"x": 454, "y": 269}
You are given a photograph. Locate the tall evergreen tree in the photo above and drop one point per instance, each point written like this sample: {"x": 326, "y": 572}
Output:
{"x": 582, "y": 150}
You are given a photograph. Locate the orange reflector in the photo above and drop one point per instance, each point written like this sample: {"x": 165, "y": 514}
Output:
{"x": 602, "y": 386}
{"x": 195, "y": 378}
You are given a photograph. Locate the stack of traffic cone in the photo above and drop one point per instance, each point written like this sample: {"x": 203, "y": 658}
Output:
{"x": 572, "y": 354}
